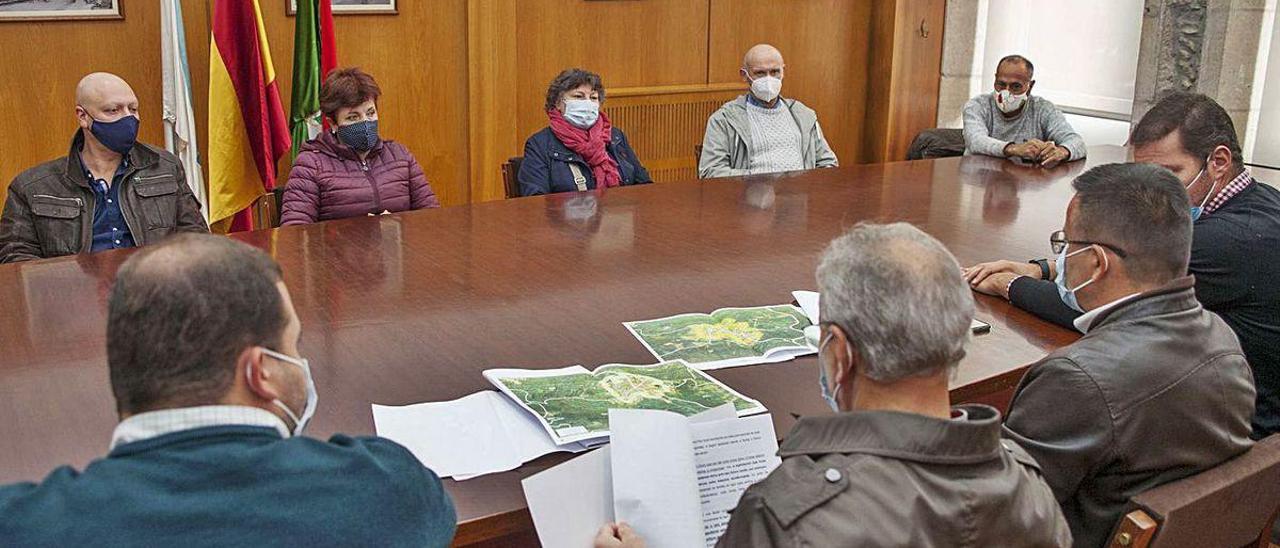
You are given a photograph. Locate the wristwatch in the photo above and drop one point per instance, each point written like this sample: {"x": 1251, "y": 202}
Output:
{"x": 1044, "y": 267}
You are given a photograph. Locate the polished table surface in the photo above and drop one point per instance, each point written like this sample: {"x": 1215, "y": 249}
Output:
{"x": 409, "y": 308}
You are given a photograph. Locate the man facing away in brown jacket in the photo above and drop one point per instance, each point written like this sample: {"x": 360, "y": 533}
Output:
{"x": 108, "y": 192}
{"x": 1158, "y": 388}
{"x": 895, "y": 465}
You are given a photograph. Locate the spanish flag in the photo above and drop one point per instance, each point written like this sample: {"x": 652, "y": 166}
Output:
{"x": 248, "y": 131}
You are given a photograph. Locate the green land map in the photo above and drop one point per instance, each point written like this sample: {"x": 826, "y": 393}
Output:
{"x": 726, "y": 334}
{"x": 578, "y": 403}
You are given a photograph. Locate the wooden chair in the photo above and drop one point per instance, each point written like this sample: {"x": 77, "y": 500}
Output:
{"x": 265, "y": 211}
{"x": 1233, "y": 504}
{"x": 697, "y": 154}
{"x": 511, "y": 176}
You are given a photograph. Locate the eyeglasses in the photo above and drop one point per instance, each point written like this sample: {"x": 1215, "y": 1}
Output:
{"x": 1058, "y": 241}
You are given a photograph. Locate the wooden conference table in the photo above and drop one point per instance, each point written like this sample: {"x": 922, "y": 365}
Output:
{"x": 408, "y": 308}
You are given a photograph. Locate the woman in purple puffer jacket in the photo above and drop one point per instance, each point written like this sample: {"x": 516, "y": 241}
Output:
{"x": 347, "y": 171}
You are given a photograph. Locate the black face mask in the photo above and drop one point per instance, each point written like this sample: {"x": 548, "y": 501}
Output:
{"x": 119, "y": 136}
{"x": 361, "y": 136}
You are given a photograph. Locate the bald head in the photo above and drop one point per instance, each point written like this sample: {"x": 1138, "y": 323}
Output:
{"x": 760, "y": 61}
{"x": 104, "y": 97}
{"x": 99, "y": 86}
{"x": 761, "y": 54}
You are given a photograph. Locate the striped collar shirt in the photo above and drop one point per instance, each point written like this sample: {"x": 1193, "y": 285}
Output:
{"x": 151, "y": 424}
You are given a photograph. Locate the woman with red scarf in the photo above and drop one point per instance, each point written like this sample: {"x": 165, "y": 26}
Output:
{"x": 579, "y": 150}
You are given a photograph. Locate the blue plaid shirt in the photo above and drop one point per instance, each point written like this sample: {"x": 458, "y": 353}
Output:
{"x": 110, "y": 231}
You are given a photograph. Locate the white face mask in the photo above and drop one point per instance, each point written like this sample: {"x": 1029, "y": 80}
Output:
{"x": 766, "y": 88}
{"x": 1008, "y": 102}
{"x": 582, "y": 113}
{"x": 299, "y": 423}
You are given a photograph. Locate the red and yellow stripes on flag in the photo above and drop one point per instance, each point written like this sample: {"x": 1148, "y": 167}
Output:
{"x": 248, "y": 131}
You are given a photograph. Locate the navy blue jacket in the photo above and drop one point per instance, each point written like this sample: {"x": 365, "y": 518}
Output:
{"x": 545, "y": 169}
{"x": 234, "y": 486}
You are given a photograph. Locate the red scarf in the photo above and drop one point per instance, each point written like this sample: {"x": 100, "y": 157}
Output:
{"x": 591, "y": 144}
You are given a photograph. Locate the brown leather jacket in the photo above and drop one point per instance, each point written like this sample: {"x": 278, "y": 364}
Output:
{"x": 1156, "y": 390}
{"x": 49, "y": 209}
{"x": 882, "y": 478}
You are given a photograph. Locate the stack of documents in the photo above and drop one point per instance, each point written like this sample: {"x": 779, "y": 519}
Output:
{"x": 572, "y": 404}
{"x": 673, "y": 479}
{"x": 544, "y": 411}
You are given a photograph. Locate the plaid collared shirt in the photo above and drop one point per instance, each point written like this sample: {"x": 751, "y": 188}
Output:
{"x": 1236, "y": 186}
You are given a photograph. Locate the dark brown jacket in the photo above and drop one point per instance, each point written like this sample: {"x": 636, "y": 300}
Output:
{"x": 1156, "y": 390}
{"x": 881, "y": 478}
{"x": 49, "y": 209}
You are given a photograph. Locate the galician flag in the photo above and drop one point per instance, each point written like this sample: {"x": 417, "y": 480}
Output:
{"x": 314, "y": 55}
{"x": 248, "y": 132}
{"x": 179, "y": 115}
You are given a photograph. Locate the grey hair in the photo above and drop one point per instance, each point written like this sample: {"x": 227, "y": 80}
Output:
{"x": 899, "y": 296}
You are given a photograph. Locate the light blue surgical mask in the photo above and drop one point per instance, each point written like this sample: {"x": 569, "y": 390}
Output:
{"x": 1069, "y": 295}
{"x": 1197, "y": 211}
{"x": 582, "y": 113}
{"x": 299, "y": 423}
{"x": 827, "y": 395}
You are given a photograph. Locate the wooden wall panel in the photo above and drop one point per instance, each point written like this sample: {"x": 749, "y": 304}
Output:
{"x": 40, "y": 64}
{"x": 904, "y": 100}
{"x": 629, "y": 43}
{"x": 824, "y": 44}
{"x": 464, "y": 80}
{"x": 417, "y": 57}
{"x": 664, "y": 128}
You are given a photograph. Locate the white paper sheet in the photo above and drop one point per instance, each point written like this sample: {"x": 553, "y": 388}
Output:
{"x": 672, "y": 478}
{"x": 570, "y": 502}
{"x": 681, "y": 494}
{"x": 731, "y": 455}
{"x": 808, "y": 301}
{"x": 472, "y": 436}
{"x": 655, "y": 482}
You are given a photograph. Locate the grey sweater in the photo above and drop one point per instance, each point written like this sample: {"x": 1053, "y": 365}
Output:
{"x": 987, "y": 131}
{"x": 727, "y": 144}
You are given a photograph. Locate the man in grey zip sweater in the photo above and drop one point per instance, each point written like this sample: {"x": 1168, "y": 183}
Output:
{"x": 761, "y": 132}
{"x": 1012, "y": 123}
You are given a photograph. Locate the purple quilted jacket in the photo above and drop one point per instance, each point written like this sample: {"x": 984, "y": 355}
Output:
{"x": 329, "y": 181}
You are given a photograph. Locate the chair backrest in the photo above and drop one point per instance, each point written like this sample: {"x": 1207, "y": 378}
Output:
{"x": 1232, "y": 504}
{"x": 936, "y": 143}
{"x": 265, "y": 211}
{"x": 697, "y": 155}
{"x": 511, "y": 176}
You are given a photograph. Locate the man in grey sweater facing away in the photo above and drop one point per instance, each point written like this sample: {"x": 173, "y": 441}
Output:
{"x": 1012, "y": 123}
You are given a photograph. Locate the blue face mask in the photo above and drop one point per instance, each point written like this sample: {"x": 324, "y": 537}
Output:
{"x": 1197, "y": 211}
{"x": 582, "y": 113}
{"x": 361, "y": 136}
{"x": 1069, "y": 295}
{"x": 827, "y": 396}
{"x": 119, "y": 136}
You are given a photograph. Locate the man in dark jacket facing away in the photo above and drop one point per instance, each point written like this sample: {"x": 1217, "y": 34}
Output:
{"x": 895, "y": 465}
{"x": 108, "y": 192}
{"x": 202, "y": 348}
{"x": 1158, "y": 388}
